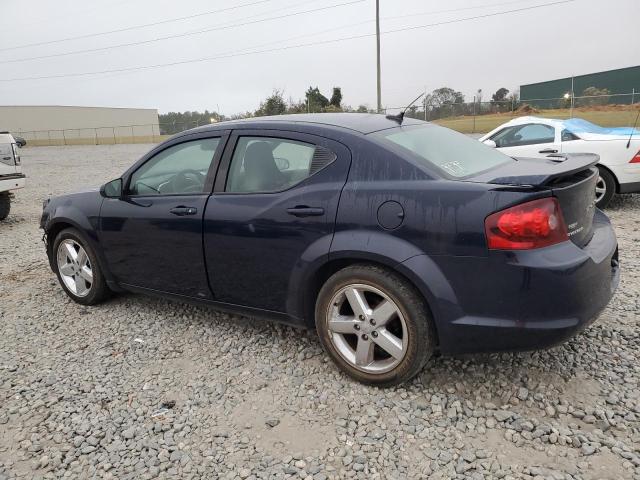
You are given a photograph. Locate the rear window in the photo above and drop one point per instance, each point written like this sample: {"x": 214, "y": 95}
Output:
{"x": 455, "y": 154}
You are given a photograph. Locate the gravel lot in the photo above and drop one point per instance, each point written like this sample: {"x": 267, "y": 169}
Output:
{"x": 144, "y": 388}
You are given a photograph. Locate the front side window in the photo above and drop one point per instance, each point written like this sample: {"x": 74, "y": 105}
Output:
{"x": 456, "y": 154}
{"x": 180, "y": 169}
{"x": 520, "y": 135}
{"x": 265, "y": 164}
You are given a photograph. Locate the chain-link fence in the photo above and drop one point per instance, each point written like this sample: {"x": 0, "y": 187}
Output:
{"x": 151, "y": 133}
{"x": 610, "y": 110}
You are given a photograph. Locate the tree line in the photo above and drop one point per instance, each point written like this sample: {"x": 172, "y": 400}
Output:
{"x": 440, "y": 103}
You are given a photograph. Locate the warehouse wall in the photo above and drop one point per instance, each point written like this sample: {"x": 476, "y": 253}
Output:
{"x": 68, "y": 125}
{"x": 620, "y": 81}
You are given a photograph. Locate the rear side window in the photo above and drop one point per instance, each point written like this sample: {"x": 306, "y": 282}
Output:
{"x": 520, "y": 135}
{"x": 455, "y": 154}
{"x": 266, "y": 164}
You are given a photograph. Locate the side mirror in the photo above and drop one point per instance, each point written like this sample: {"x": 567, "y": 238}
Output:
{"x": 21, "y": 142}
{"x": 490, "y": 143}
{"x": 112, "y": 189}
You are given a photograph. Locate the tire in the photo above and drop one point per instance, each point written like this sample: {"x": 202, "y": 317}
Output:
{"x": 92, "y": 292}
{"x": 410, "y": 325}
{"x": 608, "y": 182}
{"x": 5, "y": 205}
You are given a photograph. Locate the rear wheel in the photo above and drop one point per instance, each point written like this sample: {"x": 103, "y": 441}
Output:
{"x": 374, "y": 325}
{"x": 605, "y": 187}
{"x": 5, "y": 205}
{"x": 77, "y": 268}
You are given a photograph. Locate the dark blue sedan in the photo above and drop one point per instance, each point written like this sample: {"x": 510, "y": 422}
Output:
{"x": 395, "y": 239}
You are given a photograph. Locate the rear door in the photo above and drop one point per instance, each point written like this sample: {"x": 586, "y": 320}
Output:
{"x": 532, "y": 140}
{"x": 152, "y": 237}
{"x": 273, "y": 211}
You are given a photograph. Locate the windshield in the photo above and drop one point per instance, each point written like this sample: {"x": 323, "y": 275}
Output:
{"x": 455, "y": 154}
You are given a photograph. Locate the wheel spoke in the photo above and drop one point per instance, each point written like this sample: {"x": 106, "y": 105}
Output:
{"x": 389, "y": 343}
{"x": 82, "y": 257}
{"x": 357, "y": 302}
{"x": 86, "y": 273}
{"x": 384, "y": 312}
{"x": 342, "y": 325}
{"x": 66, "y": 269}
{"x": 71, "y": 252}
{"x": 81, "y": 286}
{"x": 364, "y": 352}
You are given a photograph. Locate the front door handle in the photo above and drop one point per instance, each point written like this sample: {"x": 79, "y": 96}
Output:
{"x": 548, "y": 150}
{"x": 304, "y": 211}
{"x": 6, "y": 158}
{"x": 181, "y": 211}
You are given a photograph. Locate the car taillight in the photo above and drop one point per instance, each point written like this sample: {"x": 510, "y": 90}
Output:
{"x": 530, "y": 225}
{"x": 636, "y": 158}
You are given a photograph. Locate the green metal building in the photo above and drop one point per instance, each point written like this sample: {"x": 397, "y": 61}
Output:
{"x": 621, "y": 84}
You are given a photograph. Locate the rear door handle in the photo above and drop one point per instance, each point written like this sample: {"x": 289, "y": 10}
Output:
{"x": 181, "y": 211}
{"x": 304, "y": 211}
{"x": 548, "y": 150}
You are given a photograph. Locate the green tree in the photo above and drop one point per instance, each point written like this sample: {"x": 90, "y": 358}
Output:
{"x": 336, "y": 97}
{"x": 273, "y": 105}
{"x": 500, "y": 95}
{"x": 316, "y": 101}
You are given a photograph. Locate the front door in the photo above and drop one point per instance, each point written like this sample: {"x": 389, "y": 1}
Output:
{"x": 273, "y": 210}
{"x": 533, "y": 140}
{"x": 152, "y": 237}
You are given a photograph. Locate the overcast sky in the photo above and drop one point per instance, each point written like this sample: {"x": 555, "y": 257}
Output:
{"x": 507, "y": 50}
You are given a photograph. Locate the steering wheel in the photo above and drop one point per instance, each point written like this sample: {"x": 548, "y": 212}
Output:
{"x": 187, "y": 181}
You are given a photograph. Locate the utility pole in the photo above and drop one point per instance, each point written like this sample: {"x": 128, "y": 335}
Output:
{"x": 378, "y": 53}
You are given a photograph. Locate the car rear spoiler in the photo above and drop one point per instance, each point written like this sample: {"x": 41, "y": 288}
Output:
{"x": 539, "y": 172}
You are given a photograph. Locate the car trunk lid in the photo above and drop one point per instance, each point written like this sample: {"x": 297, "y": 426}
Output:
{"x": 571, "y": 178}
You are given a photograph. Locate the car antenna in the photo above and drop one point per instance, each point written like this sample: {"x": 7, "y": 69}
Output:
{"x": 400, "y": 117}
{"x": 633, "y": 129}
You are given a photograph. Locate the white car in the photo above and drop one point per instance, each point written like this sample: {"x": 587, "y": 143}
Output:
{"x": 11, "y": 176}
{"x": 536, "y": 137}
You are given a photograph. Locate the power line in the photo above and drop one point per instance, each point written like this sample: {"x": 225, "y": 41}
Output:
{"x": 287, "y": 47}
{"x": 180, "y": 35}
{"x": 226, "y": 26}
{"x": 135, "y": 27}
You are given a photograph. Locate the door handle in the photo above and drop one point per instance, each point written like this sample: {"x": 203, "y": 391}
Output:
{"x": 181, "y": 211}
{"x": 6, "y": 158}
{"x": 304, "y": 211}
{"x": 548, "y": 150}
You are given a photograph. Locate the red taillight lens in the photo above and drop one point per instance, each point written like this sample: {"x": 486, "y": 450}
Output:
{"x": 636, "y": 158}
{"x": 534, "y": 224}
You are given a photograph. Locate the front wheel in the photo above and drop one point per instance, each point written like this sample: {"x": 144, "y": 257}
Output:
{"x": 77, "y": 268}
{"x": 374, "y": 325}
{"x": 605, "y": 188}
{"x": 5, "y": 205}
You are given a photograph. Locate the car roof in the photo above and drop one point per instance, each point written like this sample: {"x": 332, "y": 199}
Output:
{"x": 360, "y": 122}
{"x": 532, "y": 119}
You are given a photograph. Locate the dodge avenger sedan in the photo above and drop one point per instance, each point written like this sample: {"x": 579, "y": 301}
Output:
{"x": 394, "y": 238}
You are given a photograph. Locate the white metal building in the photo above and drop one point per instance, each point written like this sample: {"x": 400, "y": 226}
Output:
{"x": 69, "y": 125}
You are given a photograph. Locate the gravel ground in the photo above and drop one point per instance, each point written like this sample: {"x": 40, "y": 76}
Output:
{"x": 144, "y": 388}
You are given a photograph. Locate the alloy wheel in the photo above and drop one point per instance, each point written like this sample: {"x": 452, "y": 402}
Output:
{"x": 601, "y": 188}
{"x": 367, "y": 328}
{"x": 75, "y": 267}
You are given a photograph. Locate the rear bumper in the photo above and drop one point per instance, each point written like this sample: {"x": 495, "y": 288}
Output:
{"x": 628, "y": 176}
{"x": 12, "y": 182}
{"x": 522, "y": 300}
{"x": 630, "y": 187}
